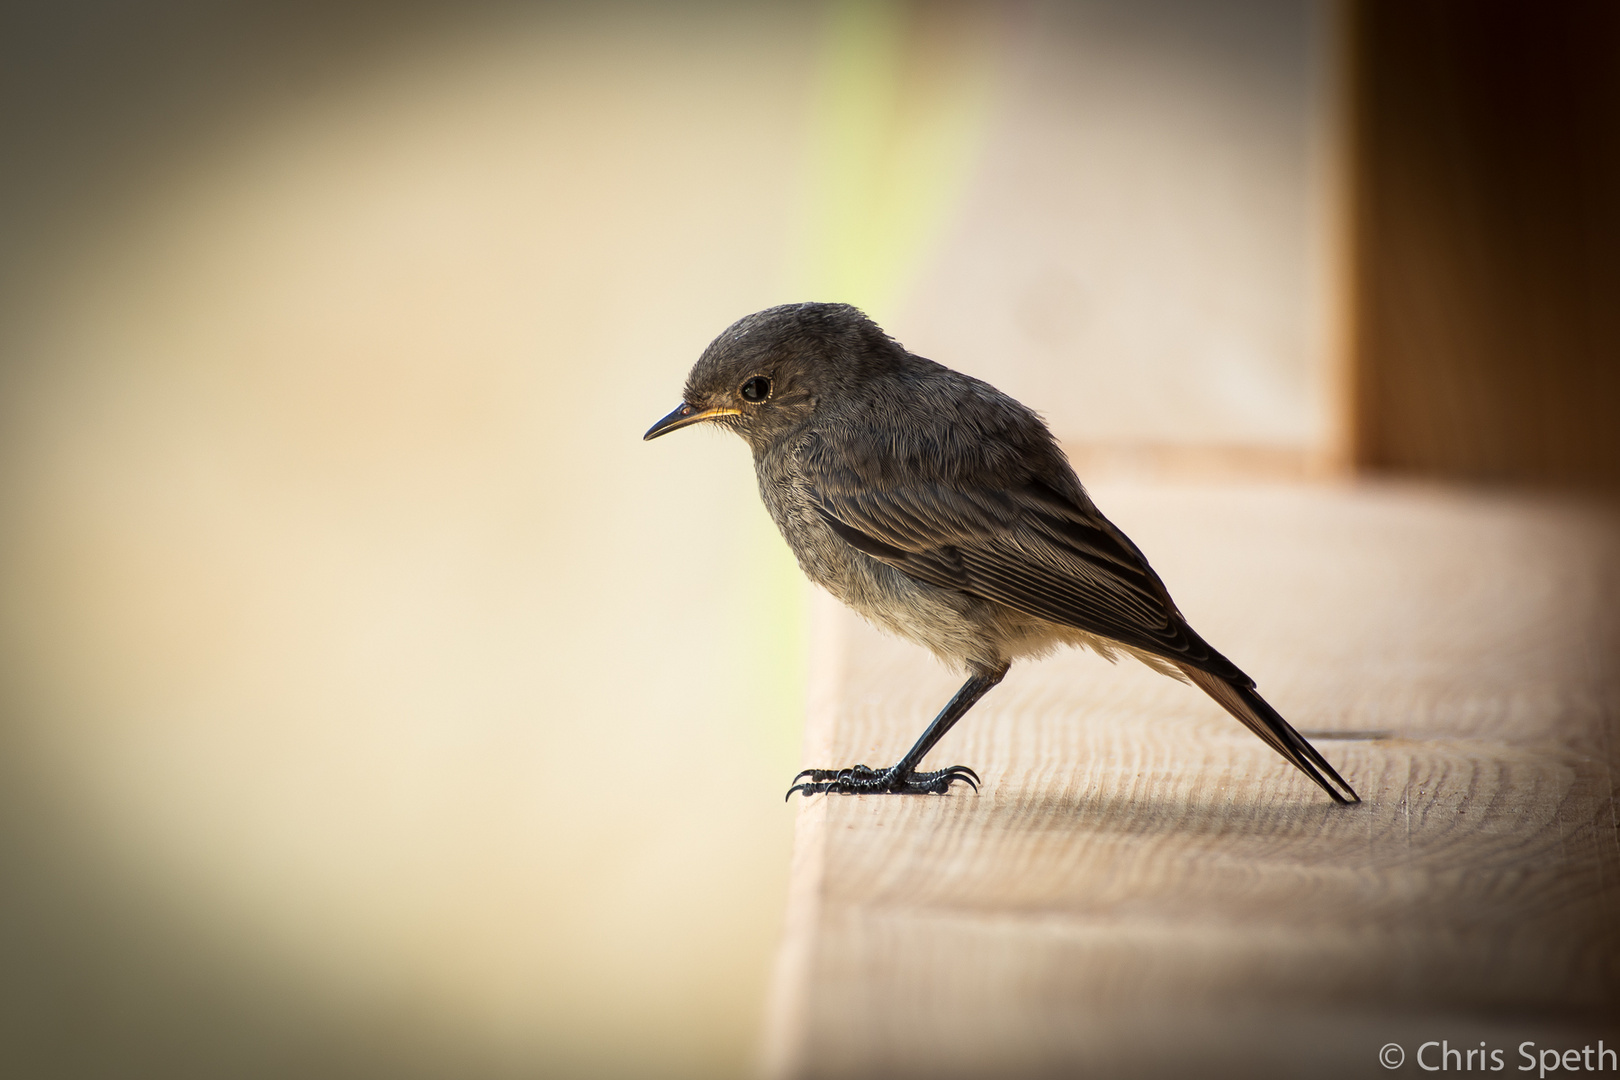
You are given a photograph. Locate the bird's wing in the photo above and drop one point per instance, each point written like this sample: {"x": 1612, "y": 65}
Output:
{"x": 1028, "y": 547}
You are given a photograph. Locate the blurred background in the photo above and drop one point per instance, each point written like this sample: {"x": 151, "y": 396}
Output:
{"x": 374, "y": 703}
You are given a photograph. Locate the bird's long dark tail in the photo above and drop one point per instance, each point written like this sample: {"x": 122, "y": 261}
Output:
{"x": 1260, "y": 718}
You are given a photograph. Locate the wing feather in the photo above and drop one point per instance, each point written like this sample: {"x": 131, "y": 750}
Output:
{"x": 1029, "y": 548}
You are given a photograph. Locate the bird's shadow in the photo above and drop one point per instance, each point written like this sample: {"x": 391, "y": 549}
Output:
{"x": 1148, "y": 810}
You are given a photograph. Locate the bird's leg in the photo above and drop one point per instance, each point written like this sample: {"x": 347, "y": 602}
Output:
{"x": 902, "y": 778}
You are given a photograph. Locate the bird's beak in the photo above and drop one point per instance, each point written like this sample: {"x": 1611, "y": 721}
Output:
{"x": 687, "y": 414}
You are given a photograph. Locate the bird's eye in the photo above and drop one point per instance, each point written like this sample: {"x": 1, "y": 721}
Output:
{"x": 756, "y": 389}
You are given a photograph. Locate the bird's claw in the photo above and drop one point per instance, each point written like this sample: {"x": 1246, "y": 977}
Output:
{"x": 864, "y": 780}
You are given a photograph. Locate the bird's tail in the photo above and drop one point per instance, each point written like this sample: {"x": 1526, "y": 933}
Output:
{"x": 1242, "y": 702}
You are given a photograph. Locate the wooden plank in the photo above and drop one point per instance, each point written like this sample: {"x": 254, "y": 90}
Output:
{"x": 1142, "y": 886}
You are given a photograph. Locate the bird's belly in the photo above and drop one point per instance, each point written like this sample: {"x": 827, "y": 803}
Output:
{"x": 960, "y": 629}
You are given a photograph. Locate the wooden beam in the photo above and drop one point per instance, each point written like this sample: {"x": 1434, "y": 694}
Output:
{"x": 1143, "y": 888}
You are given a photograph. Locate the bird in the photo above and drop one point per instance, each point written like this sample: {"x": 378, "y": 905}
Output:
{"x": 944, "y": 512}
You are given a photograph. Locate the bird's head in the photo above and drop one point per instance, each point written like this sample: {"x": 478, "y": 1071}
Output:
{"x": 769, "y": 372}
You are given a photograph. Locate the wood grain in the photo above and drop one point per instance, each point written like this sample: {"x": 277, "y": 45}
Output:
{"x": 1143, "y": 888}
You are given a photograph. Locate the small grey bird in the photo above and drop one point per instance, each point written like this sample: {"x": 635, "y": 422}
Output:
{"x": 943, "y": 511}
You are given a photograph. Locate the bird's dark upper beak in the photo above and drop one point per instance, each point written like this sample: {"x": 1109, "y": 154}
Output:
{"x": 685, "y": 414}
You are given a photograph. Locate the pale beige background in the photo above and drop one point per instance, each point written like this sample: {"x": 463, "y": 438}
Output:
{"x": 1148, "y": 247}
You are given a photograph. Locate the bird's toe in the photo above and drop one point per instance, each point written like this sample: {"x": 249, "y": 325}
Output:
{"x": 865, "y": 780}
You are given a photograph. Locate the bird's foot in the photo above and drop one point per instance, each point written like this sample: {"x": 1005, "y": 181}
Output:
{"x": 861, "y": 780}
